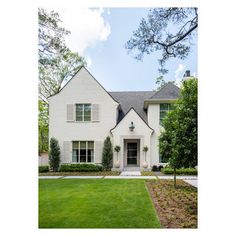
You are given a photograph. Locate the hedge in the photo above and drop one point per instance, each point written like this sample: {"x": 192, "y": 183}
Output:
{"x": 184, "y": 171}
{"x": 157, "y": 168}
{"x": 80, "y": 168}
{"x": 43, "y": 169}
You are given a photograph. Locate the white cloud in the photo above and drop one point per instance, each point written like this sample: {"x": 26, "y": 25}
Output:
{"x": 87, "y": 27}
{"x": 179, "y": 74}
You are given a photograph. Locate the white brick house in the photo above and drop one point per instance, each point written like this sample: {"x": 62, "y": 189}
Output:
{"x": 83, "y": 114}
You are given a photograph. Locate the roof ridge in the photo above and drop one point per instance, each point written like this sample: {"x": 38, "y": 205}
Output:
{"x": 130, "y": 91}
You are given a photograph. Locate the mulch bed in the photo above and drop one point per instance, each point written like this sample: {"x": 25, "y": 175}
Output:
{"x": 176, "y": 208}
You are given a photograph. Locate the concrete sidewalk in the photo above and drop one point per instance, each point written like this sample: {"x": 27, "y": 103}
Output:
{"x": 193, "y": 182}
{"x": 98, "y": 177}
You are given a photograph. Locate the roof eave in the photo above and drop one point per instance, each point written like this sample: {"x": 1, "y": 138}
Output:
{"x": 158, "y": 101}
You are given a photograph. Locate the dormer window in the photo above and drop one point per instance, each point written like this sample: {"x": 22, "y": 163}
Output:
{"x": 83, "y": 112}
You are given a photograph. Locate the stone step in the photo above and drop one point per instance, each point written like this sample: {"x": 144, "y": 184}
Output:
{"x": 131, "y": 169}
{"x": 130, "y": 173}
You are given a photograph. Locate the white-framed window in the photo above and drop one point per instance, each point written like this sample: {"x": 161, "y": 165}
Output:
{"x": 83, "y": 151}
{"x": 164, "y": 109}
{"x": 83, "y": 112}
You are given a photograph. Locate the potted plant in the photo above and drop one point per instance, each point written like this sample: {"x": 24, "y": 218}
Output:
{"x": 117, "y": 149}
{"x": 145, "y": 149}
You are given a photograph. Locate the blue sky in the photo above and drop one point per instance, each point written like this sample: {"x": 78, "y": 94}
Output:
{"x": 105, "y": 33}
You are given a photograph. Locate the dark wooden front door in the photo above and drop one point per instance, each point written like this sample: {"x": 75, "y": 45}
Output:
{"x": 132, "y": 153}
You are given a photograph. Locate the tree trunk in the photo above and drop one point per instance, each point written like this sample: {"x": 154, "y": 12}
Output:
{"x": 174, "y": 177}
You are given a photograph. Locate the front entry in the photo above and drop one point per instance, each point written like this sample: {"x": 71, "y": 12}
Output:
{"x": 132, "y": 153}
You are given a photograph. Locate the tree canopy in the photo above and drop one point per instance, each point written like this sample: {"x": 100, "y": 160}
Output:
{"x": 178, "y": 141}
{"x": 57, "y": 63}
{"x": 168, "y": 30}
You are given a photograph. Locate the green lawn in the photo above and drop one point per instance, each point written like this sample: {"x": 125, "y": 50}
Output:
{"x": 95, "y": 203}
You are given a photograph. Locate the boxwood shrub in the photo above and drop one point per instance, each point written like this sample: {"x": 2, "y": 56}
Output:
{"x": 80, "y": 168}
{"x": 183, "y": 171}
{"x": 43, "y": 169}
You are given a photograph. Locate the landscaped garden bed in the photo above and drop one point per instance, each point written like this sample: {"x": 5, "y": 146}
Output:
{"x": 176, "y": 208}
{"x": 147, "y": 173}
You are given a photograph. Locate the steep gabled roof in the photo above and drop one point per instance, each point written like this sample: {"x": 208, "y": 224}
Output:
{"x": 168, "y": 92}
{"x": 132, "y": 109}
{"x": 83, "y": 67}
{"x": 134, "y": 99}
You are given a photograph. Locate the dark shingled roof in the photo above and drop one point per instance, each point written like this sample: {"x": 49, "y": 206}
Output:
{"x": 133, "y": 99}
{"x": 168, "y": 91}
{"x": 136, "y": 99}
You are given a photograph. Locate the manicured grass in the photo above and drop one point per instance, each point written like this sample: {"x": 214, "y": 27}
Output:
{"x": 95, "y": 203}
{"x": 176, "y": 207}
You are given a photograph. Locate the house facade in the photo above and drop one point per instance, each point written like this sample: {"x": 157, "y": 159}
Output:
{"x": 83, "y": 114}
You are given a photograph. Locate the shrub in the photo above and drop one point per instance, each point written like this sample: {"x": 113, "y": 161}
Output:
{"x": 183, "y": 171}
{"x": 80, "y": 168}
{"x": 54, "y": 154}
{"x": 154, "y": 168}
{"x": 107, "y": 154}
{"x": 157, "y": 168}
{"x": 43, "y": 169}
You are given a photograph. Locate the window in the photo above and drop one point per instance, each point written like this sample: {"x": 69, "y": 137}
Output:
{"x": 83, "y": 151}
{"x": 164, "y": 109}
{"x": 83, "y": 112}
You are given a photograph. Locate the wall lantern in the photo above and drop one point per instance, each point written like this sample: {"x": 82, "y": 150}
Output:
{"x": 131, "y": 127}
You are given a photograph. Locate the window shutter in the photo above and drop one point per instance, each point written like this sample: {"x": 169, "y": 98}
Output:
{"x": 70, "y": 112}
{"x": 95, "y": 112}
{"x": 98, "y": 151}
{"x": 67, "y": 157}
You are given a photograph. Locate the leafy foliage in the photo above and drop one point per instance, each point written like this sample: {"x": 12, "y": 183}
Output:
{"x": 54, "y": 154}
{"x": 107, "y": 154}
{"x": 80, "y": 168}
{"x": 178, "y": 141}
{"x": 160, "y": 82}
{"x": 57, "y": 63}
{"x": 168, "y": 30}
{"x": 42, "y": 126}
{"x": 117, "y": 148}
{"x": 182, "y": 171}
{"x": 43, "y": 169}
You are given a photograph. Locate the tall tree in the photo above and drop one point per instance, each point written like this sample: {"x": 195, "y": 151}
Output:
{"x": 178, "y": 141}
{"x": 168, "y": 30}
{"x": 42, "y": 126}
{"x": 57, "y": 63}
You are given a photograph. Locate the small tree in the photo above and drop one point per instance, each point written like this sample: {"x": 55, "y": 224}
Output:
{"x": 107, "y": 154}
{"x": 178, "y": 141}
{"x": 54, "y": 154}
{"x": 117, "y": 149}
{"x": 145, "y": 149}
